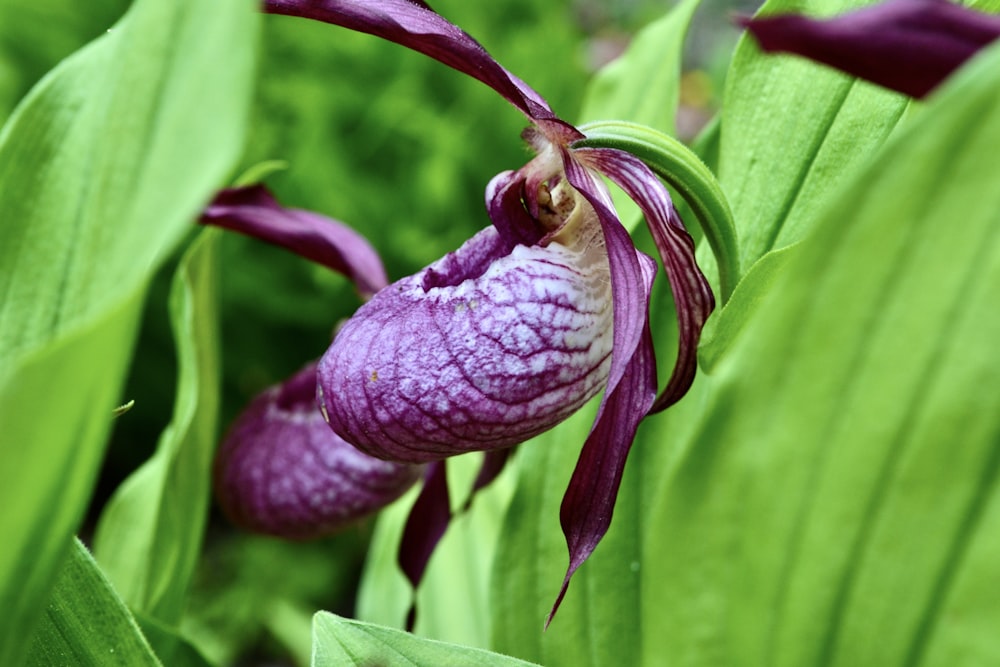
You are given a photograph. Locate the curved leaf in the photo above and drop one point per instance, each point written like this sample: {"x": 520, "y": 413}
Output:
{"x": 150, "y": 533}
{"x": 86, "y": 623}
{"x": 839, "y": 500}
{"x": 102, "y": 168}
{"x": 341, "y": 642}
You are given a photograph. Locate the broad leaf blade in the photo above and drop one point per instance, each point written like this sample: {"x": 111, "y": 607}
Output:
{"x": 838, "y": 504}
{"x": 86, "y": 623}
{"x": 151, "y": 531}
{"x": 102, "y": 169}
{"x": 793, "y": 131}
{"x": 341, "y": 642}
{"x": 643, "y": 84}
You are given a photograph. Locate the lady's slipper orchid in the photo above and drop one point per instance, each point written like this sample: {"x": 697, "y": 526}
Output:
{"x": 528, "y": 320}
{"x": 910, "y": 46}
{"x": 281, "y": 471}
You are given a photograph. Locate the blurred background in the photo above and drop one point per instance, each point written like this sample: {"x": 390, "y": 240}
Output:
{"x": 393, "y": 144}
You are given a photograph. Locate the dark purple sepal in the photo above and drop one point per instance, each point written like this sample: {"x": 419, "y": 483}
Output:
{"x": 589, "y": 501}
{"x": 909, "y": 46}
{"x": 281, "y": 471}
{"x": 692, "y": 294}
{"x": 493, "y": 464}
{"x": 255, "y": 212}
{"x": 425, "y": 526}
{"x": 415, "y": 26}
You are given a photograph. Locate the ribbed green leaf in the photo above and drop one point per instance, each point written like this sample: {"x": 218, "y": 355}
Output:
{"x": 839, "y": 500}
{"x": 151, "y": 531}
{"x": 102, "y": 168}
{"x": 86, "y": 623}
{"x": 794, "y": 131}
{"x": 340, "y": 642}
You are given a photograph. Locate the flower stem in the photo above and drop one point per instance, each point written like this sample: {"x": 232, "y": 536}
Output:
{"x": 676, "y": 164}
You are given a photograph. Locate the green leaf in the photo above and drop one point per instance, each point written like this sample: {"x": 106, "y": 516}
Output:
{"x": 86, "y": 623}
{"x": 839, "y": 501}
{"x": 453, "y": 602}
{"x": 342, "y": 642}
{"x": 150, "y": 534}
{"x": 169, "y": 645}
{"x": 643, "y": 84}
{"x": 794, "y": 131}
{"x": 102, "y": 169}
{"x": 724, "y": 328}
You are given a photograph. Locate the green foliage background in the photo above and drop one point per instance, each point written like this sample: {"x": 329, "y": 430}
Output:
{"x": 826, "y": 494}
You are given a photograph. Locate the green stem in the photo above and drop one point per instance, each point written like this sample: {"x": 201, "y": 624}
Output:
{"x": 676, "y": 164}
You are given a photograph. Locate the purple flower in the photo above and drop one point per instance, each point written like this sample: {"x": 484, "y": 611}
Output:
{"x": 505, "y": 337}
{"x": 281, "y": 471}
{"x": 910, "y": 46}
{"x": 528, "y": 320}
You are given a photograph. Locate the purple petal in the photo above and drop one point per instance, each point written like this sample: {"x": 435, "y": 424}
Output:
{"x": 692, "y": 295}
{"x": 626, "y": 271}
{"x": 281, "y": 471}
{"x": 493, "y": 464}
{"x": 505, "y": 204}
{"x": 587, "y": 506}
{"x": 516, "y": 347}
{"x": 910, "y": 46}
{"x": 425, "y": 526}
{"x": 254, "y": 212}
{"x": 415, "y": 26}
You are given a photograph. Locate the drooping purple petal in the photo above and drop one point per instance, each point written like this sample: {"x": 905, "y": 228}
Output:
{"x": 693, "y": 297}
{"x": 910, "y": 46}
{"x": 493, "y": 464}
{"x": 419, "y": 374}
{"x": 415, "y": 26}
{"x": 254, "y": 211}
{"x": 626, "y": 270}
{"x": 587, "y": 506}
{"x": 282, "y": 471}
{"x": 425, "y": 526}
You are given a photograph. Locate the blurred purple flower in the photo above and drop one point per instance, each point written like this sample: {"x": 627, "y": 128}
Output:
{"x": 513, "y": 332}
{"x": 910, "y": 46}
{"x": 281, "y": 471}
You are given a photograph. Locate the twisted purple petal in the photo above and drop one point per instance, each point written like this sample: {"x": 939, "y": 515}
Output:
{"x": 511, "y": 347}
{"x": 589, "y": 501}
{"x": 282, "y": 471}
{"x": 587, "y": 506}
{"x": 425, "y": 526}
{"x": 910, "y": 46}
{"x": 254, "y": 212}
{"x": 693, "y": 297}
{"x": 415, "y": 26}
